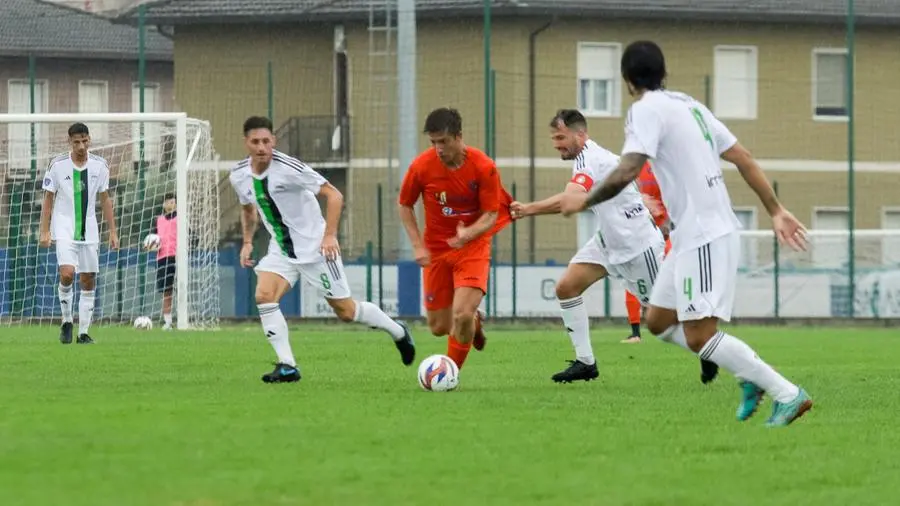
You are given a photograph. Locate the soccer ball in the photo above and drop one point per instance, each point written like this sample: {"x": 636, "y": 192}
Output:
{"x": 438, "y": 373}
{"x": 151, "y": 241}
{"x": 143, "y": 323}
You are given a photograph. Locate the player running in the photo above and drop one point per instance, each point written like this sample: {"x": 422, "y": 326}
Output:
{"x": 303, "y": 244}
{"x": 695, "y": 287}
{"x": 627, "y": 245}
{"x": 165, "y": 226}
{"x": 465, "y": 205}
{"x": 72, "y": 185}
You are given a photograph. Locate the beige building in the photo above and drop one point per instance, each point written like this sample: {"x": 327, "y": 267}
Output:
{"x": 776, "y": 75}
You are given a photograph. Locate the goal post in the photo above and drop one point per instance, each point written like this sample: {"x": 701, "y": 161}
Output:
{"x": 140, "y": 146}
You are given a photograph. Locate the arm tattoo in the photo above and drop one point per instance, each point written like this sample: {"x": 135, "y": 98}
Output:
{"x": 629, "y": 168}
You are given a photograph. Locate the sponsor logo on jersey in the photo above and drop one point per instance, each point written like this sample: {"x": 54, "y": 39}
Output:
{"x": 634, "y": 211}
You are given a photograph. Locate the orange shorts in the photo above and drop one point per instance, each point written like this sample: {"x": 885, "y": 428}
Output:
{"x": 466, "y": 267}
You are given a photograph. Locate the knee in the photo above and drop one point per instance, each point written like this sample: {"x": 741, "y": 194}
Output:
{"x": 265, "y": 296}
{"x": 660, "y": 320}
{"x": 439, "y": 327}
{"x": 344, "y": 309}
{"x": 66, "y": 276}
{"x": 87, "y": 282}
{"x": 657, "y": 327}
{"x": 698, "y": 333}
{"x": 566, "y": 290}
{"x": 463, "y": 315}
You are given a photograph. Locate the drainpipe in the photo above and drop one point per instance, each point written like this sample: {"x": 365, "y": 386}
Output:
{"x": 532, "y": 125}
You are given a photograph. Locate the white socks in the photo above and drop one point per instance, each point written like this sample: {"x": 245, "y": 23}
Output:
{"x": 276, "y": 329}
{"x": 372, "y": 315}
{"x": 85, "y": 311}
{"x": 734, "y": 355}
{"x": 66, "y": 295}
{"x": 575, "y": 318}
{"x": 168, "y": 318}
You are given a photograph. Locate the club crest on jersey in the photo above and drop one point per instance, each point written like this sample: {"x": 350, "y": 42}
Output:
{"x": 441, "y": 197}
{"x": 473, "y": 185}
{"x": 447, "y": 211}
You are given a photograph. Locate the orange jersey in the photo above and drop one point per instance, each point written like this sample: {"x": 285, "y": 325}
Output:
{"x": 648, "y": 186}
{"x": 452, "y": 196}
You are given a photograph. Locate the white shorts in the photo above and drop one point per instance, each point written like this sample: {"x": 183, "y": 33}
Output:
{"x": 638, "y": 274}
{"x": 84, "y": 257}
{"x": 699, "y": 283}
{"x": 328, "y": 276}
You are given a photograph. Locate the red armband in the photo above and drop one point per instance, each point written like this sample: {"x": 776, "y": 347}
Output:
{"x": 582, "y": 180}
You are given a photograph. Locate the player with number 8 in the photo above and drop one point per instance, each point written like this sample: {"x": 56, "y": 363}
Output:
{"x": 283, "y": 192}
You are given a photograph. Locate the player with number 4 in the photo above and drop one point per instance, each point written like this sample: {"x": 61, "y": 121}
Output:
{"x": 695, "y": 285}
{"x": 283, "y": 191}
{"x": 627, "y": 245}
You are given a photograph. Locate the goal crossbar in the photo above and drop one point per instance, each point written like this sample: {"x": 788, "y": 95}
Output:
{"x": 182, "y": 260}
{"x": 110, "y": 117}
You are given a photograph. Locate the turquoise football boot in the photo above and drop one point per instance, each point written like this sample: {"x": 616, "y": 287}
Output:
{"x": 751, "y": 397}
{"x": 783, "y": 413}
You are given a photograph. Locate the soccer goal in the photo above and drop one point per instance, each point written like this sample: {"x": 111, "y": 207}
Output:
{"x": 150, "y": 155}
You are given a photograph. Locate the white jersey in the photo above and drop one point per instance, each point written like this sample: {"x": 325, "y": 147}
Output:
{"x": 625, "y": 228}
{"x": 74, "y": 217}
{"x": 685, "y": 141}
{"x": 285, "y": 197}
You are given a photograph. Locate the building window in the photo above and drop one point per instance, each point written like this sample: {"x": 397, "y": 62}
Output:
{"x": 749, "y": 245}
{"x": 830, "y": 251}
{"x": 829, "y": 83}
{"x": 598, "y": 79}
{"x": 152, "y": 132}
{"x": 19, "y": 134}
{"x": 890, "y": 245}
{"x": 93, "y": 97}
{"x": 735, "y": 82}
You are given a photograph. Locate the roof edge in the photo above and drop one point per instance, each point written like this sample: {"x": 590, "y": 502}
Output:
{"x": 636, "y": 13}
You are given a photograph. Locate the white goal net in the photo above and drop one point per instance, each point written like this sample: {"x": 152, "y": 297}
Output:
{"x": 150, "y": 156}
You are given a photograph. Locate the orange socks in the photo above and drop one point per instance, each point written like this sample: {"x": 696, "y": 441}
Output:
{"x": 457, "y": 351}
{"x": 634, "y": 308}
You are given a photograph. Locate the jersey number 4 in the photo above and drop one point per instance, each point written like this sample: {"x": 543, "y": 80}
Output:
{"x": 703, "y": 128}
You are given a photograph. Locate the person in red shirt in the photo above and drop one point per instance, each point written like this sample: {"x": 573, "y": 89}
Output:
{"x": 465, "y": 205}
{"x": 653, "y": 200}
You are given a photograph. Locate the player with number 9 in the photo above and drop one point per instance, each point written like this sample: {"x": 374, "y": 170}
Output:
{"x": 283, "y": 191}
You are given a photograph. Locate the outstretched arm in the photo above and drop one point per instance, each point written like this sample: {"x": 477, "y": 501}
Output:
{"x": 550, "y": 205}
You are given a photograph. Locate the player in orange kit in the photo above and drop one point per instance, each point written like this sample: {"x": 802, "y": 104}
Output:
{"x": 649, "y": 189}
{"x": 465, "y": 205}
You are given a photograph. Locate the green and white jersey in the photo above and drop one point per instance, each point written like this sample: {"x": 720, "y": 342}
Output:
{"x": 74, "y": 215}
{"x": 285, "y": 197}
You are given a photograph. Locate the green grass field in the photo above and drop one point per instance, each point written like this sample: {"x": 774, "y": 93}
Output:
{"x": 183, "y": 419}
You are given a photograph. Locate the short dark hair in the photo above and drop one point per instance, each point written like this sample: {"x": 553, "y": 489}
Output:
{"x": 643, "y": 65}
{"x": 443, "y": 121}
{"x": 254, "y": 122}
{"x": 168, "y": 196}
{"x": 572, "y": 118}
{"x": 78, "y": 128}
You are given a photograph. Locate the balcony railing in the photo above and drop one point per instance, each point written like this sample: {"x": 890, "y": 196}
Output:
{"x": 316, "y": 139}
